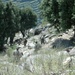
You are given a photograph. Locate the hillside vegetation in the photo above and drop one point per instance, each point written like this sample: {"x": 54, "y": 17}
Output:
{"x": 34, "y": 4}
{"x": 37, "y": 41}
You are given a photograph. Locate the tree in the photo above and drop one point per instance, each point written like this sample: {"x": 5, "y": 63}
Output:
{"x": 59, "y": 13}
{"x": 55, "y": 13}
{"x": 2, "y": 26}
{"x": 11, "y": 21}
{"x": 50, "y": 11}
{"x": 66, "y": 14}
{"x": 55, "y": 9}
{"x": 28, "y": 19}
{"x": 46, "y": 10}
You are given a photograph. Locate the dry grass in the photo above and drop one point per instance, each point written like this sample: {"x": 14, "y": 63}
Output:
{"x": 49, "y": 63}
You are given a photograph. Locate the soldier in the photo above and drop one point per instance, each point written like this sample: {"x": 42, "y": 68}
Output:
{"x": 42, "y": 39}
{"x": 37, "y": 46}
{"x": 25, "y": 42}
{"x": 17, "y": 54}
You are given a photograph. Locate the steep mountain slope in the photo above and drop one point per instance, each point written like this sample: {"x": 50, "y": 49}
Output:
{"x": 43, "y": 61}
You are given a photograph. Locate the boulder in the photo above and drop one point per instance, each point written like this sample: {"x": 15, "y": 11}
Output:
{"x": 37, "y": 31}
{"x": 47, "y": 40}
{"x": 67, "y": 61}
{"x": 60, "y": 42}
{"x": 72, "y": 52}
{"x": 18, "y": 36}
{"x": 31, "y": 32}
{"x": 31, "y": 45}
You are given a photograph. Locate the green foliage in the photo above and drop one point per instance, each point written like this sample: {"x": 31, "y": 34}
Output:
{"x": 50, "y": 11}
{"x": 55, "y": 9}
{"x": 46, "y": 9}
{"x": 2, "y": 29}
{"x": 28, "y": 19}
{"x": 66, "y": 14}
{"x": 12, "y": 20}
{"x": 59, "y": 12}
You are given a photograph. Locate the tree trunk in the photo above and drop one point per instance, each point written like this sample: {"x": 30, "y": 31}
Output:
{"x": 73, "y": 38}
{"x": 74, "y": 32}
{"x": 1, "y": 45}
{"x": 1, "y": 48}
{"x": 23, "y": 33}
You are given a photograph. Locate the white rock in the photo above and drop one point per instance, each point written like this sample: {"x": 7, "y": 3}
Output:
{"x": 47, "y": 40}
{"x": 67, "y": 61}
{"x": 31, "y": 45}
{"x": 31, "y": 31}
{"x": 72, "y": 52}
{"x": 21, "y": 45}
{"x": 48, "y": 24}
{"x": 62, "y": 53}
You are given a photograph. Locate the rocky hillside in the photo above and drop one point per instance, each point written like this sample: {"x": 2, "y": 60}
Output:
{"x": 49, "y": 55}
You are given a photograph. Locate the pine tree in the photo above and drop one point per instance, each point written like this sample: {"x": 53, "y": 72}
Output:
{"x": 55, "y": 13}
{"x": 2, "y": 26}
{"x": 59, "y": 13}
{"x": 55, "y": 9}
{"x": 66, "y": 14}
{"x": 50, "y": 11}
{"x": 11, "y": 21}
{"x": 46, "y": 10}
